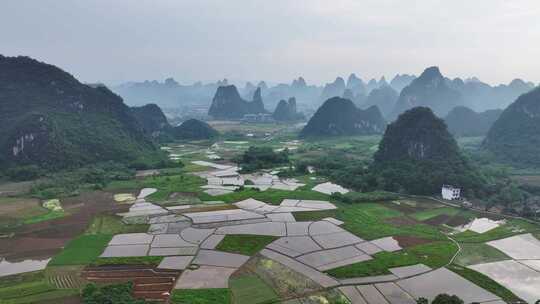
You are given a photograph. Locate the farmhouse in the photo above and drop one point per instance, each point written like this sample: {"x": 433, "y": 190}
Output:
{"x": 449, "y": 192}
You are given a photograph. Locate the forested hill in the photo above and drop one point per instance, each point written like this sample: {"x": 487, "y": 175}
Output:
{"x": 515, "y": 136}
{"x": 49, "y": 118}
{"x": 194, "y": 129}
{"x": 227, "y": 104}
{"x": 152, "y": 119}
{"x": 418, "y": 155}
{"x": 339, "y": 116}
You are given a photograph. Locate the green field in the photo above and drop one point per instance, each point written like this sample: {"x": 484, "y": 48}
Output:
{"x": 477, "y": 253}
{"x": 250, "y": 289}
{"x": 431, "y": 213}
{"x": 166, "y": 185}
{"x": 370, "y": 221}
{"x": 82, "y": 250}
{"x": 201, "y": 296}
{"x": 245, "y": 244}
{"x": 434, "y": 255}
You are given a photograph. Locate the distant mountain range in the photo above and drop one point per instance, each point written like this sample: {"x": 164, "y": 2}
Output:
{"x": 431, "y": 89}
{"x": 441, "y": 94}
{"x": 49, "y": 119}
{"x": 338, "y": 117}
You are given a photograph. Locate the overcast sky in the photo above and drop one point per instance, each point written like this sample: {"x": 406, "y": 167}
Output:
{"x": 276, "y": 40}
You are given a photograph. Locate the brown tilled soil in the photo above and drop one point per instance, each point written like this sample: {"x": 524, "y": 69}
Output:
{"x": 149, "y": 283}
{"x": 206, "y": 208}
{"x": 52, "y": 235}
{"x": 401, "y": 221}
{"x": 457, "y": 220}
{"x": 410, "y": 241}
{"x": 16, "y": 249}
{"x": 438, "y": 220}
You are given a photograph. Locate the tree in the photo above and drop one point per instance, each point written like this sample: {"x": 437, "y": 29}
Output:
{"x": 447, "y": 299}
{"x": 422, "y": 301}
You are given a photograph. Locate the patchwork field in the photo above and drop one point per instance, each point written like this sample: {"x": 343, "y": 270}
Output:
{"x": 284, "y": 244}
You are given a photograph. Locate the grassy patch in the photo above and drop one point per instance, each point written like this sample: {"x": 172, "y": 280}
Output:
{"x": 431, "y": 213}
{"x": 250, "y": 289}
{"x": 476, "y": 253}
{"x": 434, "y": 255}
{"x": 25, "y": 289}
{"x": 29, "y": 288}
{"x": 201, "y": 296}
{"x": 145, "y": 260}
{"x": 245, "y": 244}
{"x": 55, "y": 295}
{"x": 308, "y": 216}
{"x": 82, "y": 250}
{"x": 378, "y": 266}
{"x": 16, "y": 279}
{"x": 109, "y": 224}
{"x": 45, "y": 217}
{"x": 368, "y": 222}
{"x": 485, "y": 282}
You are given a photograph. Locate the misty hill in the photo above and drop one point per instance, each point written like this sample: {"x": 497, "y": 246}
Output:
{"x": 304, "y": 93}
{"x": 227, "y": 104}
{"x": 50, "y": 119}
{"x": 418, "y": 155}
{"x": 333, "y": 89}
{"x": 355, "y": 89}
{"x": 401, "y": 81}
{"x": 480, "y": 96}
{"x": 462, "y": 121}
{"x": 286, "y": 111}
{"x": 515, "y": 136}
{"x": 384, "y": 98}
{"x": 431, "y": 90}
{"x": 152, "y": 119}
{"x": 167, "y": 94}
{"x": 338, "y": 116}
{"x": 194, "y": 129}
{"x": 356, "y": 85}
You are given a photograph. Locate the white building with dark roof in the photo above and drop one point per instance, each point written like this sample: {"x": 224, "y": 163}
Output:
{"x": 450, "y": 192}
